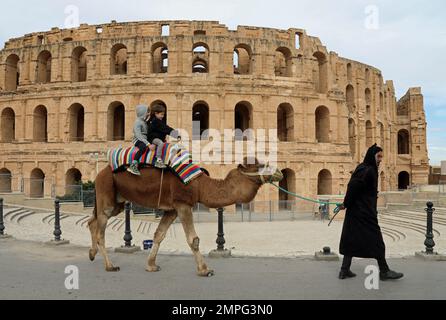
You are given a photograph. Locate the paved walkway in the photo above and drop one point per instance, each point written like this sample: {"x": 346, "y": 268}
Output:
{"x": 404, "y": 233}
{"x": 30, "y": 270}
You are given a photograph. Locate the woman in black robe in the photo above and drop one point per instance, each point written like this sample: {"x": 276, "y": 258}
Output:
{"x": 361, "y": 235}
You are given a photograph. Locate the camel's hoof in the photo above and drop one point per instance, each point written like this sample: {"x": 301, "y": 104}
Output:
{"x": 153, "y": 269}
{"x": 207, "y": 273}
{"x": 112, "y": 269}
{"x": 92, "y": 254}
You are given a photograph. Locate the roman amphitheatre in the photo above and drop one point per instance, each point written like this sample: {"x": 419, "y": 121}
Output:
{"x": 68, "y": 95}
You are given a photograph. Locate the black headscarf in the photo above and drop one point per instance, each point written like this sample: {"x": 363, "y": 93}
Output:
{"x": 369, "y": 158}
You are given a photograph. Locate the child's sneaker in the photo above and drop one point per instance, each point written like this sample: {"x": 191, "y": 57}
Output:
{"x": 160, "y": 164}
{"x": 133, "y": 169}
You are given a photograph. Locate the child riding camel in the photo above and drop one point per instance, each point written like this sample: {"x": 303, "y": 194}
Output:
{"x": 140, "y": 140}
{"x": 157, "y": 132}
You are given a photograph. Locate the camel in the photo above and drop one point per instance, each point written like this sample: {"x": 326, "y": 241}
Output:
{"x": 113, "y": 189}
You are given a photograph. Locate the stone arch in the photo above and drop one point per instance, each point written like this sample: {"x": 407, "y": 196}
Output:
{"x": 118, "y": 59}
{"x": 322, "y": 117}
{"x": 352, "y": 136}
{"x": 12, "y": 73}
{"x": 381, "y": 134}
{"x": 37, "y": 183}
{"x": 403, "y": 142}
{"x": 350, "y": 98}
{"x": 79, "y": 65}
{"x": 283, "y": 62}
{"x": 43, "y": 71}
{"x": 242, "y": 59}
{"x": 5, "y": 181}
{"x": 76, "y": 116}
{"x": 367, "y": 75}
{"x": 200, "y": 58}
{"x": 73, "y": 181}
{"x": 288, "y": 183}
{"x": 285, "y": 122}
{"x": 7, "y": 123}
{"x": 349, "y": 72}
{"x": 320, "y": 75}
{"x": 324, "y": 182}
{"x": 160, "y": 57}
{"x": 116, "y": 121}
{"x": 403, "y": 180}
{"x": 40, "y": 124}
{"x": 368, "y": 133}
{"x": 368, "y": 96}
{"x": 200, "y": 114}
{"x": 242, "y": 117}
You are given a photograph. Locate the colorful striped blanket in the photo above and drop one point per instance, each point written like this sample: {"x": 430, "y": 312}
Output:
{"x": 180, "y": 161}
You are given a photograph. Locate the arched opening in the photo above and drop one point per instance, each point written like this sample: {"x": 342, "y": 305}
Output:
{"x": 79, "y": 65}
{"x": 242, "y": 59}
{"x": 368, "y": 97}
{"x": 403, "y": 142}
{"x": 285, "y": 122}
{"x": 160, "y": 58}
{"x": 367, "y": 75}
{"x": 116, "y": 122}
{"x": 288, "y": 183}
{"x": 383, "y": 181}
{"x": 76, "y": 116}
{"x": 352, "y": 136}
{"x": 5, "y": 181}
{"x": 324, "y": 183}
{"x": 12, "y": 73}
{"x": 160, "y": 102}
{"x": 283, "y": 62}
{"x": 242, "y": 118}
{"x": 350, "y": 97}
{"x": 349, "y": 72}
{"x": 44, "y": 67}
{"x": 368, "y": 134}
{"x": 322, "y": 124}
{"x": 381, "y": 134}
{"x": 320, "y": 73}
{"x": 200, "y": 58}
{"x": 73, "y": 182}
{"x": 118, "y": 59}
{"x": 200, "y": 116}
{"x": 37, "y": 183}
{"x": 7, "y": 123}
{"x": 403, "y": 180}
{"x": 40, "y": 124}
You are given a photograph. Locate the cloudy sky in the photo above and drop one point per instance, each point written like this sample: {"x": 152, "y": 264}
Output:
{"x": 406, "y": 39}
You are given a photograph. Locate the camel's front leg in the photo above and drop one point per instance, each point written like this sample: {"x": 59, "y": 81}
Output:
{"x": 185, "y": 214}
{"x": 160, "y": 234}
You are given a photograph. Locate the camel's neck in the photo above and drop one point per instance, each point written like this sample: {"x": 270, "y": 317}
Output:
{"x": 217, "y": 193}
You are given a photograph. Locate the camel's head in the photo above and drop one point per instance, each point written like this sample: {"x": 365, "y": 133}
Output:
{"x": 259, "y": 172}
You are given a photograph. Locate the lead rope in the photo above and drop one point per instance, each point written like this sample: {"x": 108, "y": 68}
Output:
{"x": 161, "y": 188}
{"x": 335, "y": 211}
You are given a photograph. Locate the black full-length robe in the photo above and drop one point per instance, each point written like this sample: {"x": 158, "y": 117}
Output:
{"x": 361, "y": 235}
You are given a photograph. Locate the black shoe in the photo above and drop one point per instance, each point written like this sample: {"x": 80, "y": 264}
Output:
{"x": 346, "y": 274}
{"x": 390, "y": 275}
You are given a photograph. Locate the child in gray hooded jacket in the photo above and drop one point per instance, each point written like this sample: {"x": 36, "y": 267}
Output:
{"x": 140, "y": 129}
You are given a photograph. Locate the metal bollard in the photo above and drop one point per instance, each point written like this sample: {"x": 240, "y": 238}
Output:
{"x": 429, "y": 242}
{"x": 2, "y": 225}
{"x": 221, "y": 251}
{"x": 128, "y": 232}
{"x": 57, "y": 231}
